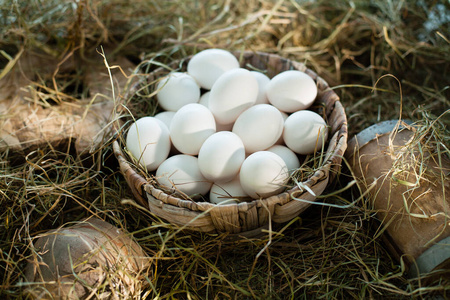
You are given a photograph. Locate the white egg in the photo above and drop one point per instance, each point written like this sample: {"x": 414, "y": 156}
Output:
{"x": 148, "y": 141}
{"x": 281, "y": 140}
{"x": 204, "y": 99}
{"x": 305, "y": 132}
{"x": 176, "y": 90}
{"x": 289, "y": 157}
{"x": 166, "y": 117}
{"x": 181, "y": 172}
{"x": 190, "y": 127}
{"x": 234, "y": 91}
{"x": 291, "y": 91}
{"x": 227, "y": 193}
{"x": 263, "y": 82}
{"x": 208, "y": 65}
{"x": 221, "y": 156}
{"x": 263, "y": 174}
{"x": 259, "y": 127}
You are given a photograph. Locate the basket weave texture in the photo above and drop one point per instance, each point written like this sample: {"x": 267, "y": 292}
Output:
{"x": 246, "y": 218}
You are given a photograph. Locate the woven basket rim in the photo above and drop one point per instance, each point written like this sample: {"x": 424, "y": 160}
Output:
{"x": 332, "y": 154}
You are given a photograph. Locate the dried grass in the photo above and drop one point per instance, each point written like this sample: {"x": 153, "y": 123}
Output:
{"x": 331, "y": 251}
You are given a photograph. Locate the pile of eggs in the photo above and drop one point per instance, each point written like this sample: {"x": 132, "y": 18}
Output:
{"x": 226, "y": 130}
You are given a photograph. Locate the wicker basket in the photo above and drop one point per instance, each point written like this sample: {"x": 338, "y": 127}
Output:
{"x": 245, "y": 218}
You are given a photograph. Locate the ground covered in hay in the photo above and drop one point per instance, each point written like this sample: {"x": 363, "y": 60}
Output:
{"x": 385, "y": 59}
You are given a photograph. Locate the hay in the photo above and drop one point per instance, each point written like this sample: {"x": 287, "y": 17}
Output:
{"x": 332, "y": 251}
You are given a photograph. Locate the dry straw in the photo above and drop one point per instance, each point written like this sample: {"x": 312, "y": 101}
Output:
{"x": 333, "y": 251}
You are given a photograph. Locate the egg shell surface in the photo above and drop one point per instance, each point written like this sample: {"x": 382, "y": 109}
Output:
{"x": 166, "y": 117}
{"x": 280, "y": 140}
{"x": 181, "y": 172}
{"x": 263, "y": 82}
{"x": 305, "y": 132}
{"x": 263, "y": 174}
{"x": 259, "y": 127}
{"x": 289, "y": 157}
{"x": 190, "y": 127}
{"x": 221, "y": 156}
{"x": 176, "y": 90}
{"x": 232, "y": 93}
{"x": 208, "y": 65}
{"x": 148, "y": 140}
{"x": 204, "y": 99}
{"x": 227, "y": 193}
{"x": 291, "y": 91}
